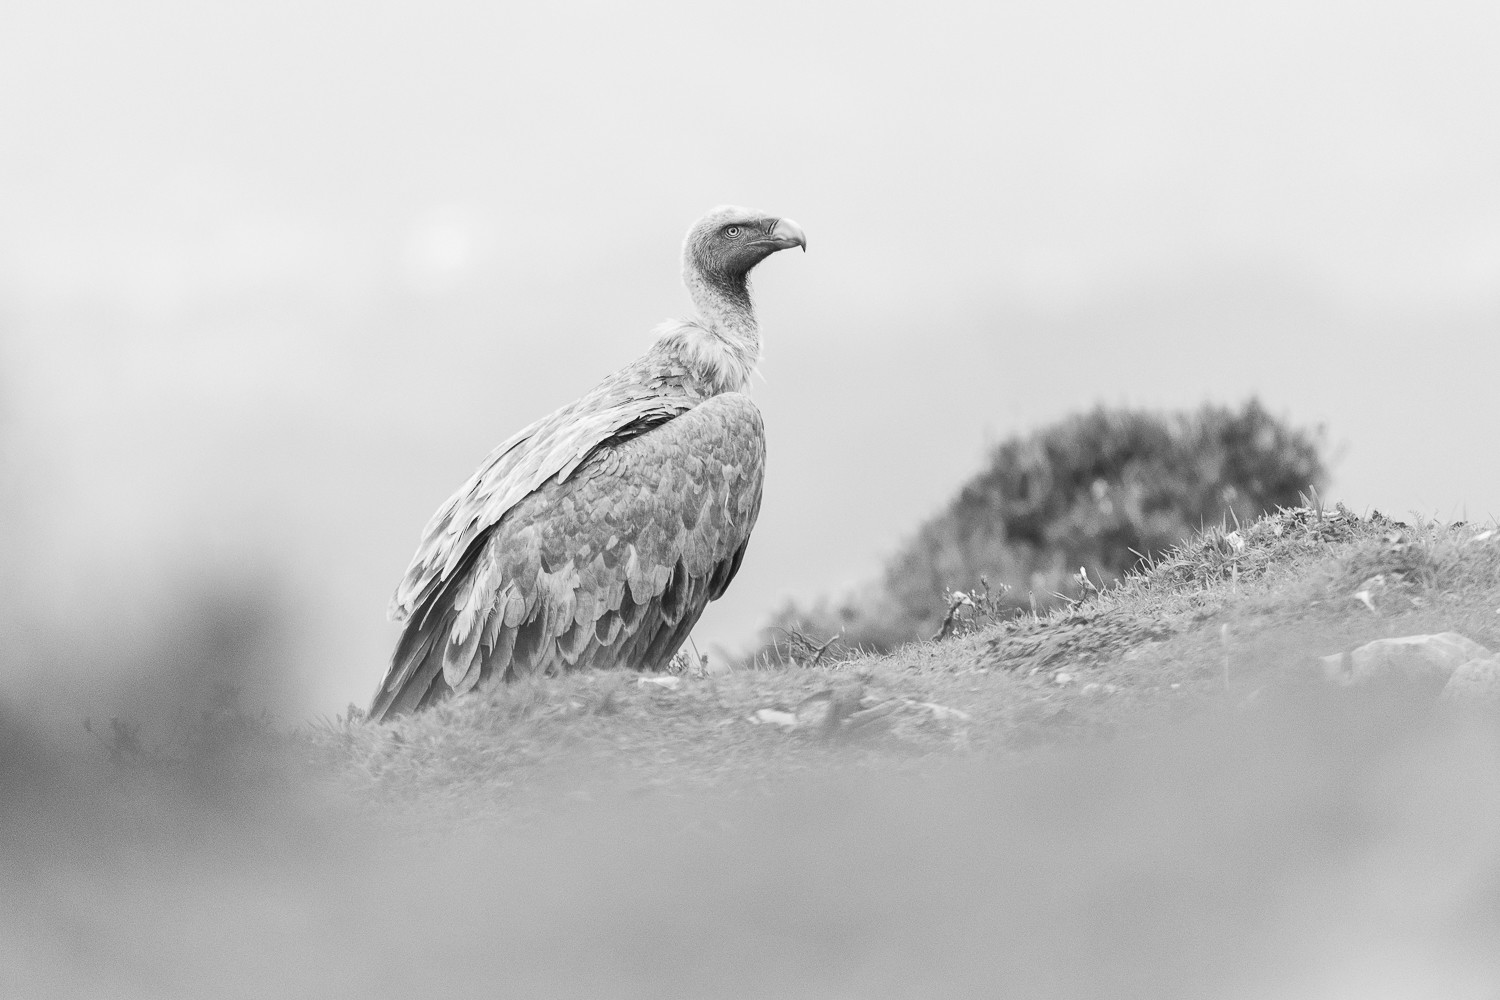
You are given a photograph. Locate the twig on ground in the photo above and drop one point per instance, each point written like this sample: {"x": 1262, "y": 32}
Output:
{"x": 804, "y": 649}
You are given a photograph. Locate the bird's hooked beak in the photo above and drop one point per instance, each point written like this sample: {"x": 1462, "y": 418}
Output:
{"x": 785, "y": 234}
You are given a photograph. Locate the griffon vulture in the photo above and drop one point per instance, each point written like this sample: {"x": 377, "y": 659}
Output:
{"x": 596, "y": 536}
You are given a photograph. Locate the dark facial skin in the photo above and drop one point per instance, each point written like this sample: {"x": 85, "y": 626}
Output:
{"x": 726, "y": 254}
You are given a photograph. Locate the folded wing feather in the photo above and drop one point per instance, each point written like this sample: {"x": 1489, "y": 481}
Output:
{"x": 610, "y": 562}
{"x": 553, "y": 446}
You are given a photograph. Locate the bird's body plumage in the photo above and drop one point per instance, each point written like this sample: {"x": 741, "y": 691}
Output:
{"x": 597, "y": 535}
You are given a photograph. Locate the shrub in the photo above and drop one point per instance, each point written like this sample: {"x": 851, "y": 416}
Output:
{"x": 1098, "y": 491}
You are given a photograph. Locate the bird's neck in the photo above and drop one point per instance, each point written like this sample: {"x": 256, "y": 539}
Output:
{"x": 722, "y": 345}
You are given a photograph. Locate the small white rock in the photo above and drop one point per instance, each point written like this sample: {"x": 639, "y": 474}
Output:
{"x": 1427, "y": 661}
{"x": 774, "y": 717}
{"x": 1062, "y": 679}
{"x": 943, "y": 713}
{"x": 1474, "y": 680}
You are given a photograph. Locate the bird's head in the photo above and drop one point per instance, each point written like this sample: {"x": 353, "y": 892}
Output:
{"x": 727, "y": 242}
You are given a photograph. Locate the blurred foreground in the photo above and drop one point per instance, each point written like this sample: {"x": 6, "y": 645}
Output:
{"x": 1205, "y": 817}
{"x": 1318, "y": 847}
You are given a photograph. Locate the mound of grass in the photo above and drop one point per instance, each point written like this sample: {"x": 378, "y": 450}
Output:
{"x": 1217, "y": 622}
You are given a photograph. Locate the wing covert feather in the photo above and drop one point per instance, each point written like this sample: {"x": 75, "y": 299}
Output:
{"x": 550, "y": 448}
{"x": 611, "y": 566}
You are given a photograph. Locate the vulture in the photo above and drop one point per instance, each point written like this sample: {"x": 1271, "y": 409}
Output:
{"x": 596, "y": 536}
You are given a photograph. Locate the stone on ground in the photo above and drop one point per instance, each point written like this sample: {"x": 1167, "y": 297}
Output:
{"x": 1474, "y": 681}
{"x": 1422, "y": 662}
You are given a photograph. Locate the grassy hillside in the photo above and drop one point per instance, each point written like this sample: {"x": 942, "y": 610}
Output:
{"x": 1229, "y": 618}
{"x": 1147, "y": 793}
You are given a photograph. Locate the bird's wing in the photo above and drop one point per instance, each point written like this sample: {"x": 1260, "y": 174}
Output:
{"x": 609, "y": 567}
{"x": 623, "y": 404}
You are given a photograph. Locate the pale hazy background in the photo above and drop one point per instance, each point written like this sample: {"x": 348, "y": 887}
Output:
{"x": 275, "y": 277}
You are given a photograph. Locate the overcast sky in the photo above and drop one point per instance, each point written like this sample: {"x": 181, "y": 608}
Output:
{"x": 275, "y": 277}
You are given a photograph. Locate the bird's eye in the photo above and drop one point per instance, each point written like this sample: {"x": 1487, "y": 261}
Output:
{"x": 733, "y": 232}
